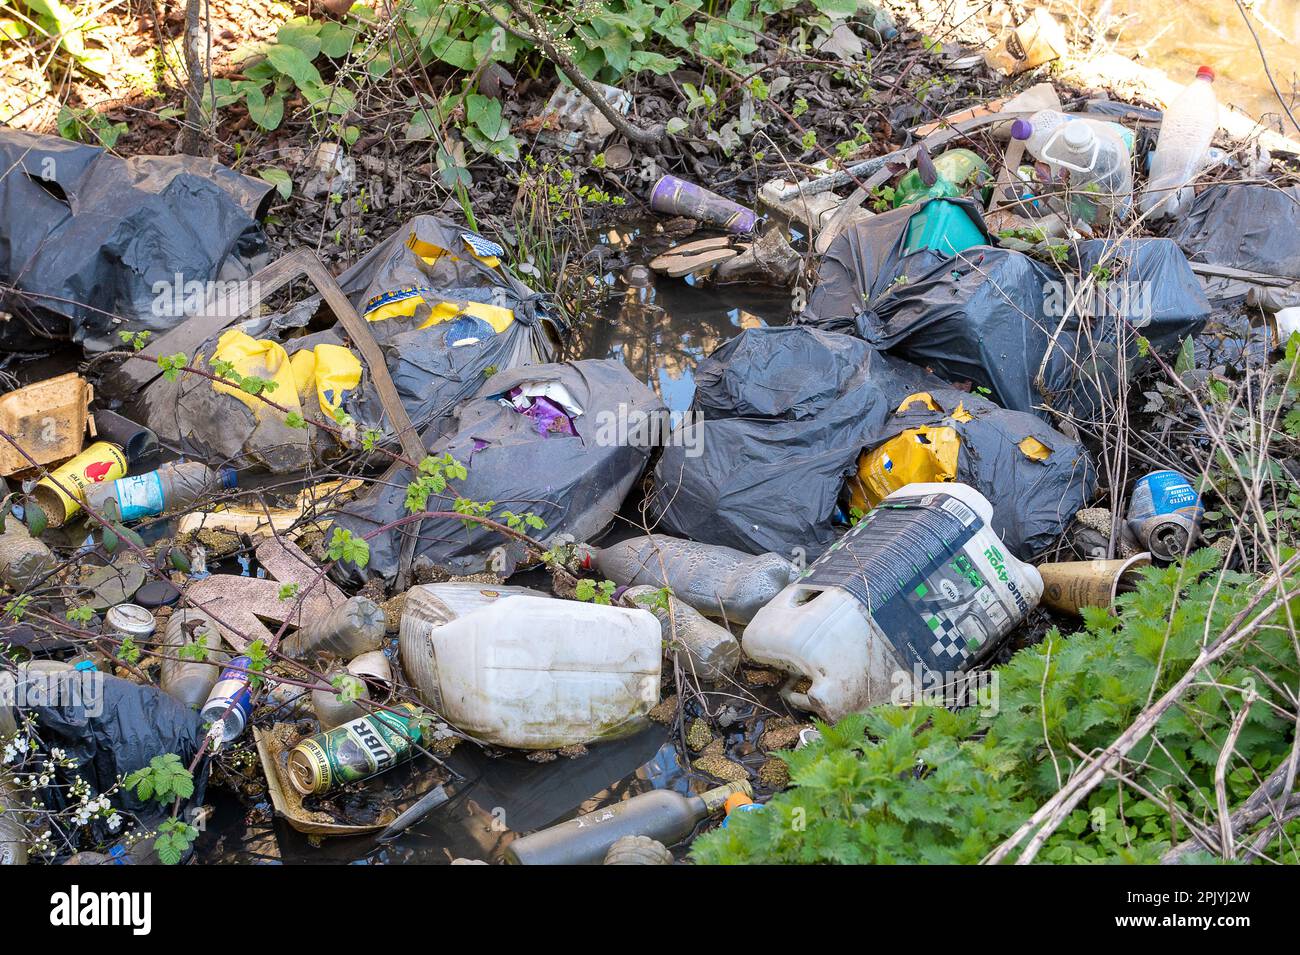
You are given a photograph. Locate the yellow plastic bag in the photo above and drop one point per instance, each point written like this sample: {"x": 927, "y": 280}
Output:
{"x": 926, "y": 454}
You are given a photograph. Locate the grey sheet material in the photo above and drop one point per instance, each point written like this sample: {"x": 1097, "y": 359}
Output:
{"x": 785, "y": 414}
{"x": 576, "y": 484}
{"x": 113, "y": 730}
{"x": 84, "y": 236}
{"x": 432, "y": 376}
{"x": 1243, "y": 225}
{"x": 988, "y": 315}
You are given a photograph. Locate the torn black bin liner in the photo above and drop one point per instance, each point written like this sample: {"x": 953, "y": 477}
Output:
{"x": 1141, "y": 289}
{"x": 89, "y": 237}
{"x": 862, "y": 264}
{"x": 781, "y": 416}
{"x": 112, "y": 727}
{"x": 575, "y": 482}
{"x": 998, "y": 318}
{"x": 1245, "y": 226}
{"x": 445, "y": 316}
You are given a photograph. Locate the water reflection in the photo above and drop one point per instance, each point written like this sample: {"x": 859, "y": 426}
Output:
{"x": 661, "y": 328}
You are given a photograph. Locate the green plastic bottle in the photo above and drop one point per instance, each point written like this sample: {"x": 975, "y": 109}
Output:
{"x": 947, "y": 176}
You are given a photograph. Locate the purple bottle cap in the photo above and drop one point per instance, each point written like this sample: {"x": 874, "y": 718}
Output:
{"x": 1021, "y": 129}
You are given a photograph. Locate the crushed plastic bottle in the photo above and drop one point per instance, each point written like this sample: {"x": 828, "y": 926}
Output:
{"x": 1185, "y": 133}
{"x": 717, "y": 581}
{"x": 712, "y": 651}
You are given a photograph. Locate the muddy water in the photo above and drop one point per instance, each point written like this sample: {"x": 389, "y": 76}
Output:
{"x": 1179, "y": 35}
{"x": 661, "y": 328}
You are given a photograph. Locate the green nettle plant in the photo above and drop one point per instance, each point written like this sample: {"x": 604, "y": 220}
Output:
{"x": 923, "y": 784}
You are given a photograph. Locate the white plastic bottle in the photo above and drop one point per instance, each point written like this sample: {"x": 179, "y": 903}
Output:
{"x": 1092, "y": 156}
{"x": 903, "y": 605}
{"x": 1186, "y": 130}
{"x": 532, "y": 672}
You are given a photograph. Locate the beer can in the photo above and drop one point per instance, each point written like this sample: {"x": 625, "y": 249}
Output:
{"x": 61, "y": 494}
{"x": 357, "y": 750}
{"x": 234, "y": 693}
{"x": 131, "y": 620}
{"x": 1165, "y": 513}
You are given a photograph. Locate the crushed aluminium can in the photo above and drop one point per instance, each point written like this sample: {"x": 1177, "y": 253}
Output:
{"x": 1165, "y": 514}
{"x": 365, "y": 747}
{"x": 232, "y": 693}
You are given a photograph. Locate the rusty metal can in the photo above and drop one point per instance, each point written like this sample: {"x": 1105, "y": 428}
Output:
{"x": 356, "y": 750}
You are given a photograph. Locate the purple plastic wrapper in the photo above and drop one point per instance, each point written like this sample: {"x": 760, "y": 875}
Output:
{"x": 679, "y": 197}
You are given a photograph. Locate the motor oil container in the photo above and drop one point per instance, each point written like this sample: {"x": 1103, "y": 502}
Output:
{"x": 913, "y": 596}
{"x": 530, "y": 671}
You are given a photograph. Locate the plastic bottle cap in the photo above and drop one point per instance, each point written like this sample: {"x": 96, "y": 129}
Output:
{"x": 1021, "y": 129}
{"x": 735, "y": 801}
{"x": 229, "y": 477}
{"x": 1205, "y": 73}
{"x": 1077, "y": 135}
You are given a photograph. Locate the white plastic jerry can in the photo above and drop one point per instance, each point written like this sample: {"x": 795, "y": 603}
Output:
{"x": 906, "y": 603}
{"x": 529, "y": 671}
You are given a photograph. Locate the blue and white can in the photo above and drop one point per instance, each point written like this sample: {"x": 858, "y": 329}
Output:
{"x": 232, "y": 693}
{"x": 1165, "y": 513}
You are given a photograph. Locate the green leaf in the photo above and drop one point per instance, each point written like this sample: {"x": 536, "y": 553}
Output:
{"x": 293, "y": 62}
{"x": 280, "y": 179}
{"x": 336, "y": 40}
{"x": 302, "y": 33}
{"x": 656, "y": 63}
{"x": 266, "y": 111}
{"x": 34, "y": 518}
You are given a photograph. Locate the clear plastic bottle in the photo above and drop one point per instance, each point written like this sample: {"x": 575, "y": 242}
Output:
{"x": 712, "y": 651}
{"x": 1093, "y": 159}
{"x": 173, "y": 487}
{"x": 717, "y": 581}
{"x": 188, "y": 680}
{"x": 1185, "y": 133}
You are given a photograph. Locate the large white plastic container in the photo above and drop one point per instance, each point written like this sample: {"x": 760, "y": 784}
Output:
{"x": 1186, "y": 130}
{"x": 516, "y": 668}
{"x": 1095, "y": 156}
{"x": 911, "y": 598}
